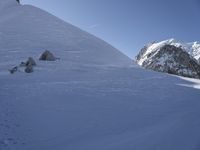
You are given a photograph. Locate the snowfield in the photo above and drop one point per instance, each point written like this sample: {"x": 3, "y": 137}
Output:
{"x": 93, "y": 107}
{"x": 92, "y": 98}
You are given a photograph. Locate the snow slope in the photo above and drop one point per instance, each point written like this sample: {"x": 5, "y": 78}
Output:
{"x": 90, "y": 99}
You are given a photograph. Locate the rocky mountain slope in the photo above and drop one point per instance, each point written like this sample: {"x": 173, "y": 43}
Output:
{"x": 171, "y": 57}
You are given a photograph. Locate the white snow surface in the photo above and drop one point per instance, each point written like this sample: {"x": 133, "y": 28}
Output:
{"x": 192, "y": 48}
{"x": 89, "y": 99}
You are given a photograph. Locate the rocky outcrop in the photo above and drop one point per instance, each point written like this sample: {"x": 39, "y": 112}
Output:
{"x": 29, "y": 69}
{"x": 31, "y": 62}
{"x": 47, "y": 56}
{"x": 169, "y": 59}
{"x": 13, "y": 70}
{"x": 28, "y": 66}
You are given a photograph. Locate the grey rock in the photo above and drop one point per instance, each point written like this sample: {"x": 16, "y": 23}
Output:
{"x": 30, "y": 61}
{"x": 13, "y": 70}
{"x": 29, "y": 69}
{"x": 47, "y": 56}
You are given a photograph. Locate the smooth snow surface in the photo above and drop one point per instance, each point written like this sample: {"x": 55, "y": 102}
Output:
{"x": 89, "y": 99}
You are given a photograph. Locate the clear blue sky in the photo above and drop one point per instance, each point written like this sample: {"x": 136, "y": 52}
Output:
{"x": 129, "y": 24}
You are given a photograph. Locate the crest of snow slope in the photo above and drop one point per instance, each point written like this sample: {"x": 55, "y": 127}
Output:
{"x": 89, "y": 106}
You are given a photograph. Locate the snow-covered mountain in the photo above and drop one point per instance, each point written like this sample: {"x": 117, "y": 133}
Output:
{"x": 193, "y": 49}
{"x": 171, "y": 57}
{"x": 34, "y": 30}
{"x": 91, "y": 98}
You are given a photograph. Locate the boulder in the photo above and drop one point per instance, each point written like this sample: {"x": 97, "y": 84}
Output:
{"x": 30, "y": 61}
{"x": 13, "y": 70}
{"x": 29, "y": 69}
{"x": 47, "y": 56}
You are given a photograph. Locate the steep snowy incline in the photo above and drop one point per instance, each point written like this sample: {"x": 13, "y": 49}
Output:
{"x": 27, "y": 31}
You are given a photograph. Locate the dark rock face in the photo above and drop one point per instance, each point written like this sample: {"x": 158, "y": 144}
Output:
{"x": 47, "y": 56}
{"x": 173, "y": 60}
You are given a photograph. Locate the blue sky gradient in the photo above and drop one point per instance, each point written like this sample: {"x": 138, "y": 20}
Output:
{"x": 129, "y": 24}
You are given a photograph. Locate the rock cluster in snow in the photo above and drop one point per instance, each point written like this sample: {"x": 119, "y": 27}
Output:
{"x": 171, "y": 57}
{"x": 30, "y": 63}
